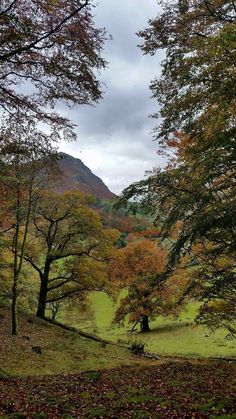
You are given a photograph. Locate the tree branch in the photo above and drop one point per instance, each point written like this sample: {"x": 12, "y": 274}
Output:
{"x": 217, "y": 15}
{"x": 28, "y": 259}
{"x": 4, "y": 12}
{"x": 68, "y": 294}
{"x": 33, "y": 44}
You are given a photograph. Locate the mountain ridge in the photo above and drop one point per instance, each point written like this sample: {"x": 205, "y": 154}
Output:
{"x": 75, "y": 175}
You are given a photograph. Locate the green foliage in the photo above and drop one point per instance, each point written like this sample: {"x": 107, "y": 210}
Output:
{"x": 195, "y": 194}
{"x": 121, "y": 242}
{"x": 69, "y": 248}
{"x": 2, "y": 374}
{"x": 127, "y": 219}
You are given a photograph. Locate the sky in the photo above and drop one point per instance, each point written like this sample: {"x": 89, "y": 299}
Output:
{"x": 115, "y": 137}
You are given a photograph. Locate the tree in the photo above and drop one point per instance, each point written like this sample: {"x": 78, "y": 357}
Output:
{"x": 135, "y": 268}
{"x": 50, "y": 51}
{"x": 26, "y": 160}
{"x": 197, "y": 130}
{"x": 69, "y": 247}
{"x": 54, "y": 49}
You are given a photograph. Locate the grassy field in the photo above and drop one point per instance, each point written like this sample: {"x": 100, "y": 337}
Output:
{"x": 63, "y": 352}
{"x": 167, "y": 337}
{"x": 75, "y": 377}
{"x": 66, "y": 352}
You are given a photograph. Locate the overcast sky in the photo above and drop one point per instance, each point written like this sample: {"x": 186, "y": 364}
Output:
{"x": 115, "y": 139}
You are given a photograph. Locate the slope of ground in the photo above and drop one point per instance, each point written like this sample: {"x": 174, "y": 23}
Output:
{"x": 63, "y": 352}
{"x": 180, "y": 390}
{"x": 75, "y": 377}
{"x": 168, "y": 336}
{"x": 76, "y": 176}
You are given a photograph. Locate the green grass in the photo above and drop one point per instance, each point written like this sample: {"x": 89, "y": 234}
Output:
{"x": 2, "y": 374}
{"x": 63, "y": 352}
{"x": 168, "y": 336}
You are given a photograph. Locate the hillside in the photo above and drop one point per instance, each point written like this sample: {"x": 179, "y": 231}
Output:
{"x": 75, "y": 377}
{"x": 75, "y": 175}
{"x": 63, "y": 352}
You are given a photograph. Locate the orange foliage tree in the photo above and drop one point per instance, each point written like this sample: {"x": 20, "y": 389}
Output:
{"x": 136, "y": 268}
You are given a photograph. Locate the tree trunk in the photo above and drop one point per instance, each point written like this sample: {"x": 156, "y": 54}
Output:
{"x": 16, "y": 267}
{"x": 19, "y": 249}
{"x": 44, "y": 277}
{"x": 14, "y": 325}
{"x": 42, "y": 298}
{"x": 144, "y": 324}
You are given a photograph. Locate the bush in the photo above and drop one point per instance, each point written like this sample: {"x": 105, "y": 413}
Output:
{"x": 137, "y": 347}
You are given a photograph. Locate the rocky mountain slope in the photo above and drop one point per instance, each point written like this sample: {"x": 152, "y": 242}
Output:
{"x": 75, "y": 175}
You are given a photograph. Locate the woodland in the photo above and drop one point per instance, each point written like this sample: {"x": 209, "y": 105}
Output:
{"x": 120, "y": 307}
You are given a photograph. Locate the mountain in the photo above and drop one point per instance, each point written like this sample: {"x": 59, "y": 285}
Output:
{"x": 75, "y": 175}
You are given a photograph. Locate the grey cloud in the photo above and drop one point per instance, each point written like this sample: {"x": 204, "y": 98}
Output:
{"x": 115, "y": 138}
{"x": 124, "y": 18}
{"x": 120, "y": 111}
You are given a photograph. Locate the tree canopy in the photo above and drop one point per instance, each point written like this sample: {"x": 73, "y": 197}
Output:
{"x": 49, "y": 51}
{"x": 196, "y": 94}
{"x": 69, "y": 247}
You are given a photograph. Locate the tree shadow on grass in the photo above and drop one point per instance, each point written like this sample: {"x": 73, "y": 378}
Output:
{"x": 169, "y": 327}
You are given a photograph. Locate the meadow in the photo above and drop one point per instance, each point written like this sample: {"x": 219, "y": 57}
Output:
{"x": 76, "y": 377}
{"x": 168, "y": 336}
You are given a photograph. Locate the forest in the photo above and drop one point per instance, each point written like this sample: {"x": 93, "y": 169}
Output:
{"x": 117, "y": 305}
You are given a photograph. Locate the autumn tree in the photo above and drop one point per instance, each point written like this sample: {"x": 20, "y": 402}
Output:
{"x": 135, "y": 268}
{"x": 26, "y": 161}
{"x": 196, "y": 93}
{"x": 50, "y": 51}
{"x": 69, "y": 248}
